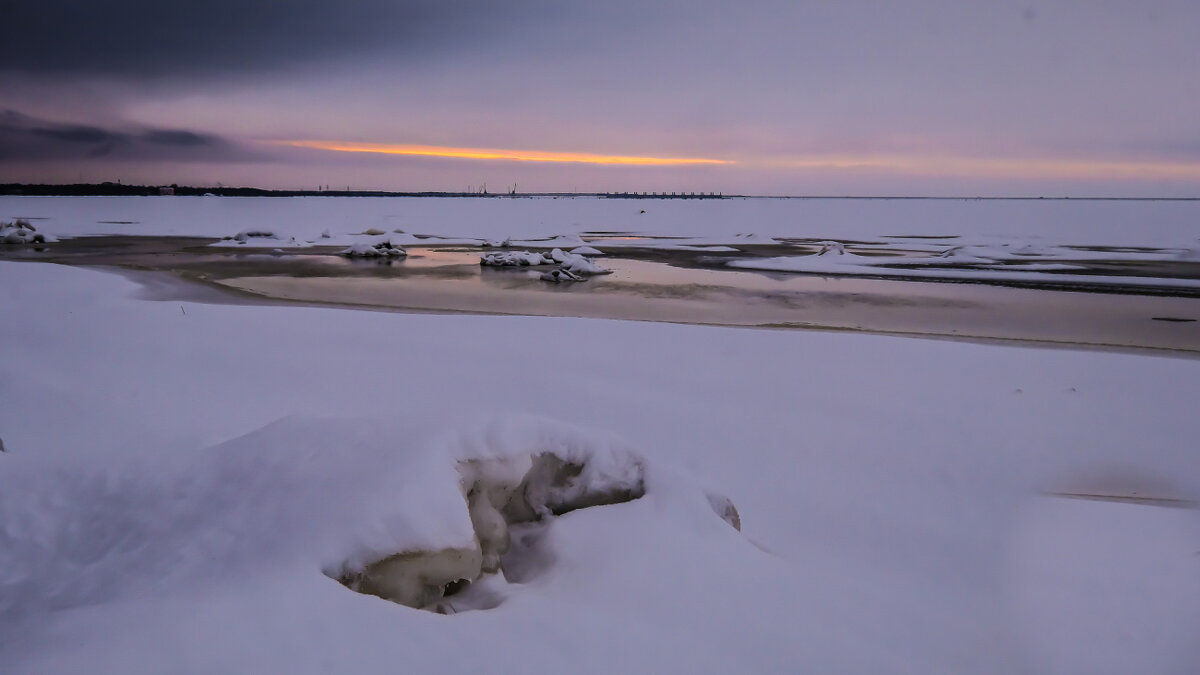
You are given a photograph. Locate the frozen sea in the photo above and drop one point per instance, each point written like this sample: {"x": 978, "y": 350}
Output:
{"x": 183, "y": 479}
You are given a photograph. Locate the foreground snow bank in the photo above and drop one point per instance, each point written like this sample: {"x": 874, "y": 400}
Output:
{"x": 332, "y": 495}
{"x": 900, "y": 497}
{"x": 387, "y": 507}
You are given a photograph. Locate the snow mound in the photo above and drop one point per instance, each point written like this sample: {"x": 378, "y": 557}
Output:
{"x": 586, "y": 250}
{"x": 377, "y": 250}
{"x": 383, "y": 505}
{"x": 576, "y": 264}
{"x": 21, "y": 232}
{"x": 831, "y": 248}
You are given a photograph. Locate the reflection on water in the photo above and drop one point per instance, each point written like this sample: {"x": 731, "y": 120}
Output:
{"x": 453, "y": 281}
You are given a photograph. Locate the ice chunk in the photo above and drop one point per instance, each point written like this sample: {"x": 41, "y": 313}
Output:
{"x": 247, "y": 235}
{"x": 515, "y": 259}
{"x": 381, "y": 249}
{"x": 576, "y": 264}
{"x": 832, "y": 248}
{"x": 560, "y": 275}
{"x": 21, "y": 232}
{"x": 418, "y": 578}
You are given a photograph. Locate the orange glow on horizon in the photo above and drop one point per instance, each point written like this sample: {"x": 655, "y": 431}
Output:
{"x": 931, "y": 165}
{"x": 491, "y": 153}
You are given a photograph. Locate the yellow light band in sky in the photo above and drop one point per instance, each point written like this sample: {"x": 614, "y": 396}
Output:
{"x": 509, "y": 155}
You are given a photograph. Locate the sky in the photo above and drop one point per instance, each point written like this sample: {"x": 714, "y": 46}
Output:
{"x": 918, "y": 97}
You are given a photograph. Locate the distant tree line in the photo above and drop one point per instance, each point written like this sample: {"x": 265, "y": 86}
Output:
{"x": 122, "y": 190}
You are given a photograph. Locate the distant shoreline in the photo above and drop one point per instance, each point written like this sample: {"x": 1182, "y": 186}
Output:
{"x": 123, "y": 190}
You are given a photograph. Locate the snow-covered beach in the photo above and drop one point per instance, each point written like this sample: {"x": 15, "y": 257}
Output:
{"x": 181, "y": 477}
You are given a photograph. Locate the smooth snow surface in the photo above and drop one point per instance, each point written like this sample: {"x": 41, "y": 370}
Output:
{"x": 958, "y": 267}
{"x": 180, "y": 478}
{"x": 549, "y": 223}
{"x": 1038, "y": 241}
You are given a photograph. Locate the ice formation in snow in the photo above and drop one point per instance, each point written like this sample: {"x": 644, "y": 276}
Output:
{"x": 381, "y": 249}
{"x": 20, "y": 232}
{"x": 500, "y": 493}
{"x": 723, "y": 507}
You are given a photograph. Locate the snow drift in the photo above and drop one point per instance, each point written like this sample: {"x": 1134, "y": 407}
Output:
{"x": 385, "y": 509}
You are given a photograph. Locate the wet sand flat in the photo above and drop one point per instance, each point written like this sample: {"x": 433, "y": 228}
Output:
{"x": 650, "y": 286}
{"x": 653, "y": 292}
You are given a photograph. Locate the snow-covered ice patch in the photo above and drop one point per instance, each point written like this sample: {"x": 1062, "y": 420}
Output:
{"x": 576, "y": 264}
{"x": 256, "y": 238}
{"x": 515, "y": 259}
{"x": 971, "y": 263}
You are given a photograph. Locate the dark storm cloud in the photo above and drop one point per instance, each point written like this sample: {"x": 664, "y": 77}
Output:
{"x": 143, "y": 38}
{"x": 25, "y": 138}
{"x": 73, "y": 133}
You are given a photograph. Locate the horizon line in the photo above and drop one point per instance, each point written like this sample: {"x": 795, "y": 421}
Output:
{"x": 609, "y": 194}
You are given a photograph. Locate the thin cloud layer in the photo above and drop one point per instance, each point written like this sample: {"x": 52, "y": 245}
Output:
{"x": 24, "y": 138}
